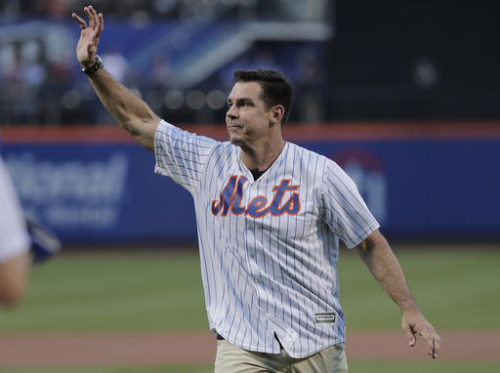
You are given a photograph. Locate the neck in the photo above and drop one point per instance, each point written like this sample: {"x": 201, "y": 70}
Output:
{"x": 260, "y": 157}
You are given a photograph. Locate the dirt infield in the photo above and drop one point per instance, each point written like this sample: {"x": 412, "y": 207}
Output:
{"x": 58, "y": 350}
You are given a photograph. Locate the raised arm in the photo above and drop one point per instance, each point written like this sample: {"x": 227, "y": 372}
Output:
{"x": 133, "y": 114}
{"x": 383, "y": 264}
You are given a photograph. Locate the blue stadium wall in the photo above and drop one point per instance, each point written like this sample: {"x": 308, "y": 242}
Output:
{"x": 421, "y": 180}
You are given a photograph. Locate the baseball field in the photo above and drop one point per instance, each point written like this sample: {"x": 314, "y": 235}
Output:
{"x": 142, "y": 311}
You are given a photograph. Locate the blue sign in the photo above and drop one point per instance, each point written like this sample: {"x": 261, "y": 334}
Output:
{"x": 91, "y": 193}
{"x": 100, "y": 193}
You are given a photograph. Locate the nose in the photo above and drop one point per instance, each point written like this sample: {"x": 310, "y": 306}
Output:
{"x": 232, "y": 113}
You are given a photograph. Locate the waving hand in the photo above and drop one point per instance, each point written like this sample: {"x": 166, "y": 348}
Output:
{"x": 86, "y": 48}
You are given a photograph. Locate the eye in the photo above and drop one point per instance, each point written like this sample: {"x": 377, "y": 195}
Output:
{"x": 245, "y": 103}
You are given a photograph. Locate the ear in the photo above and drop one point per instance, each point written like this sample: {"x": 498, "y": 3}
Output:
{"x": 277, "y": 112}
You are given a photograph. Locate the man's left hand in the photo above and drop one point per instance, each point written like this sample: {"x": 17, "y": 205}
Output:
{"x": 414, "y": 324}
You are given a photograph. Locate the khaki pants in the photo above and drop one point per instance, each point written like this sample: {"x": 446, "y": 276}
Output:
{"x": 232, "y": 359}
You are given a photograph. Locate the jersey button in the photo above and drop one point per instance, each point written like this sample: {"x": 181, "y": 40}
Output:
{"x": 252, "y": 256}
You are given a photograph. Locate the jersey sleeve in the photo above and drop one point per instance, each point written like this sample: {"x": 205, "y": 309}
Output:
{"x": 14, "y": 239}
{"x": 345, "y": 211}
{"x": 181, "y": 155}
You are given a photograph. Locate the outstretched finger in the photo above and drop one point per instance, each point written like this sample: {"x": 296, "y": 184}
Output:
{"x": 88, "y": 12}
{"x": 410, "y": 335}
{"x": 95, "y": 18}
{"x": 100, "y": 24}
{"x": 81, "y": 22}
{"x": 433, "y": 343}
{"x": 434, "y": 350}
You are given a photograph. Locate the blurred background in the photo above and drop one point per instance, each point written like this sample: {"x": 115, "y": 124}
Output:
{"x": 404, "y": 95}
{"x": 349, "y": 60}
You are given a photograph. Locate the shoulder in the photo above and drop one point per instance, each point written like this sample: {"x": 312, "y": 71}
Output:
{"x": 166, "y": 128}
{"x": 323, "y": 169}
{"x": 167, "y": 133}
{"x": 311, "y": 160}
{"x": 225, "y": 151}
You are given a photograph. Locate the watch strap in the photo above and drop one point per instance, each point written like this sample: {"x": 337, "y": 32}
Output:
{"x": 92, "y": 69}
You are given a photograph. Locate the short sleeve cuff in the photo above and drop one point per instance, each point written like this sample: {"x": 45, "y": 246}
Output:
{"x": 353, "y": 243}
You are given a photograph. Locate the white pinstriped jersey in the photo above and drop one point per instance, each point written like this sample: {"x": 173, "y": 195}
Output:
{"x": 269, "y": 247}
{"x": 14, "y": 239}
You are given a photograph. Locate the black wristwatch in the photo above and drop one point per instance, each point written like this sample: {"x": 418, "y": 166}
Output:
{"x": 92, "y": 69}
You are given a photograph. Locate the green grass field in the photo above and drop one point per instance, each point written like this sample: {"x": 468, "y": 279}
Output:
{"x": 145, "y": 291}
{"x": 161, "y": 291}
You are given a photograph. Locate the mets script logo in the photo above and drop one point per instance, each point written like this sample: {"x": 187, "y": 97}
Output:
{"x": 231, "y": 195}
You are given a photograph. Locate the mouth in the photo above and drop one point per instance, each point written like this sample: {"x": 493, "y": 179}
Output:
{"x": 233, "y": 127}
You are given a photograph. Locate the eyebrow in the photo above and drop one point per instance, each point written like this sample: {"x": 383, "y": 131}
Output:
{"x": 243, "y": 100}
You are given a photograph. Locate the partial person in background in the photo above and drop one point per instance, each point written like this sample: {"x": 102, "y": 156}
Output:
{"x": 14, "y": 243}
{"x": 270, "y": 215}
{"x": 23, "y": 241}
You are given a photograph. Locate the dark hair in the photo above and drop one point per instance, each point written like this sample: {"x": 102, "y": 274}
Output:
{"x": 276, "y": 90}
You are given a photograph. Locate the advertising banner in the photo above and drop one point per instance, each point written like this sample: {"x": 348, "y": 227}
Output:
{"x": 424, "y": 185}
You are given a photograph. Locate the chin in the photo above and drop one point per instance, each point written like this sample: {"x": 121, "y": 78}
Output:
{"x": 236, "y": 140}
